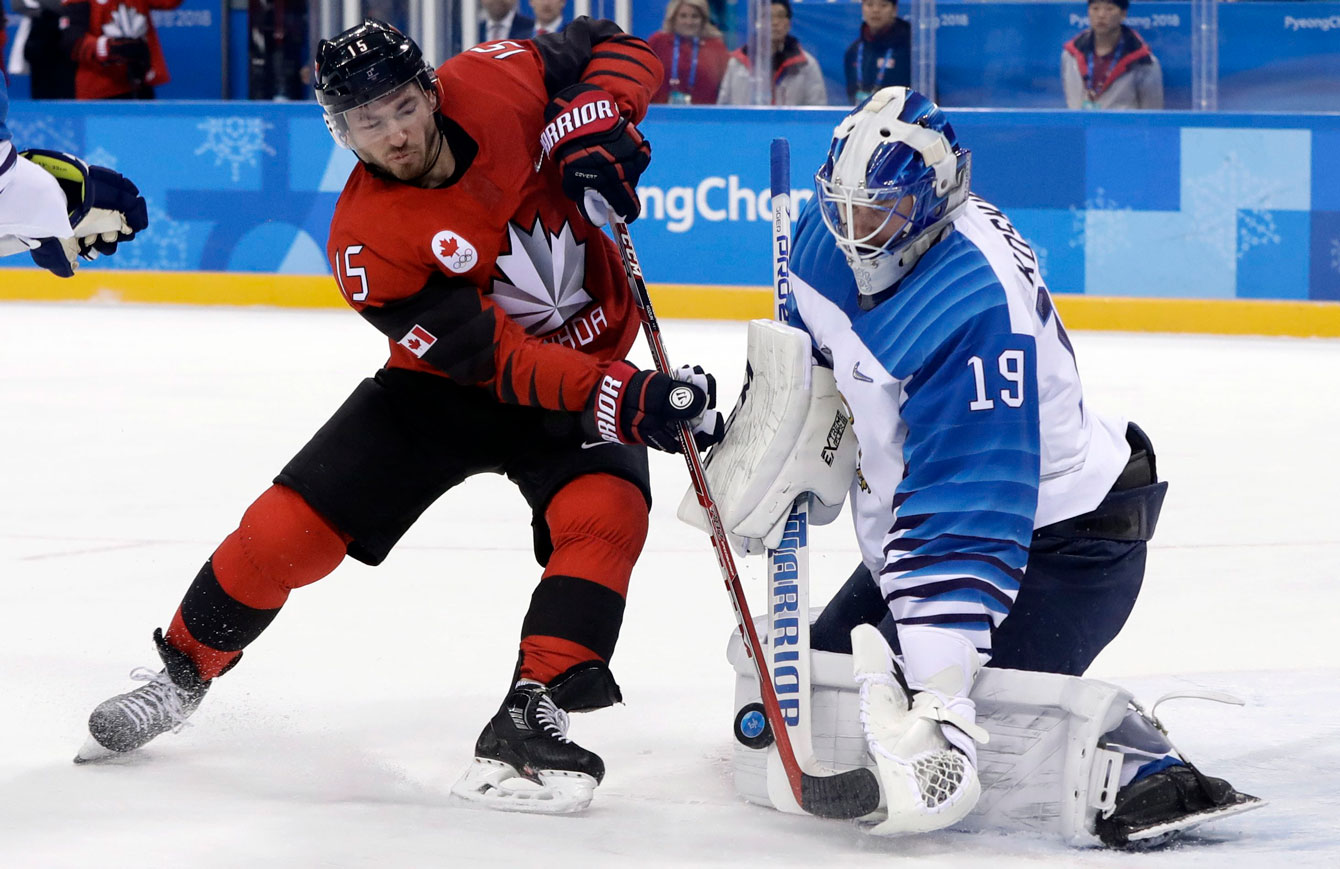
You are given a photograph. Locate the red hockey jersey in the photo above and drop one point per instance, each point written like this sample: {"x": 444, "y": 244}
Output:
{"x": 497, "y": 280}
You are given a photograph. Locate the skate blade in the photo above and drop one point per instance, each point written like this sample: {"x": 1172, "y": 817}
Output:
{"x": 92, "y": 751}
{"x": 498, "y": 786}
{"x": 1152, "y": 837}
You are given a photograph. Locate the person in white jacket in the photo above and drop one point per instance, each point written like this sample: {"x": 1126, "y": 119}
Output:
{"x": 796, "y": 77}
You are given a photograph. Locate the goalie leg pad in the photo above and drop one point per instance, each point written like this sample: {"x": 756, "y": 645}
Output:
{"x": 1048, "y": 767}
{"x": 1041, "y": 771}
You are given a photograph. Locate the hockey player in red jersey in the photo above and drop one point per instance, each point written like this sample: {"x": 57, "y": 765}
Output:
{"x": 469, "y": 236}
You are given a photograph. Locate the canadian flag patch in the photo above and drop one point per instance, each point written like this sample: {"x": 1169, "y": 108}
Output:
{"x": 454, "y": 252}
{"x": 418, "y": 340}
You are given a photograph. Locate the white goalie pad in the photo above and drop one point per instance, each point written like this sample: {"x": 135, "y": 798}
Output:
{"x": 1042, "y": 769}
{"x": 790, "y": 434}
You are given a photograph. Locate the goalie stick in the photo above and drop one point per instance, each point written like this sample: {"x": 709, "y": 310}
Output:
{"x": 843, "y": 795}
{"x": 789, "y": 564}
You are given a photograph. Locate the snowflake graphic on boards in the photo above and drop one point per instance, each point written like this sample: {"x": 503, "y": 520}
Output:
{"x": 542, "y": 278}
{"x": 45, "y": 131}
{"x": 234, "y": 140}
{"x": 1222, "y": 216}
{"x": 1335, "y": 254}
{"x": 100, "y": 156}
{"x": 164, "y": 245}
{"x": 1116, "y": 222}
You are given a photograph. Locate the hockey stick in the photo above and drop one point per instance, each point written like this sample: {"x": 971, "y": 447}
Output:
{"x": 844, "y": 795}
{"x": 789, "y": 563}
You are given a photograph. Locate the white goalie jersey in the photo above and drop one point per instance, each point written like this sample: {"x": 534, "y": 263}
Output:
{"x": 968, "y": 410}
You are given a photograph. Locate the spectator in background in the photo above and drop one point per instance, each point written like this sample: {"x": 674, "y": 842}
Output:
{"x": 882, "y": 55}
{"x": 50, "y": 65}
{"x": 501, "y": 21}
{"x": 278, "y": 49}
{"x": 548, "y": 15}
{"x": 693, "y": 53}
{"x": 1109, "y": 66}
{"x": 796, "y": 77}
{"x": 115, "y": 48}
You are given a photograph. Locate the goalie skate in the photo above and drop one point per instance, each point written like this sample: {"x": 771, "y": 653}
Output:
{"x": 524, "y": 761}
{"x": 1152, "y": 811}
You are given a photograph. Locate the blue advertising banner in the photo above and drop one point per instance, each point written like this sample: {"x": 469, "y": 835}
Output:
{"x": 1137, "y": 204}
{"x": 192, "y": 38}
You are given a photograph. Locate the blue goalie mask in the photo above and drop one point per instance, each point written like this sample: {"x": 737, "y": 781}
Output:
{"x": 894, "y": 178}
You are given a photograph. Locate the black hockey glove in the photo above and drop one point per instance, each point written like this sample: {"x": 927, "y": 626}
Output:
{"x": 134, "y": 53}
{"x": 599, "y": 153}
{"x": 104, "y": 207}
{"x": 630, "y": 406}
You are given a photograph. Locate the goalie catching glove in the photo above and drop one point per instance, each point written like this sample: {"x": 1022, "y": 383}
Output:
{"x": 630, "y": 406}
{"x": 922, "y": 732}
{"x": 104, "y": 209}
{"x": 599, "y": 153}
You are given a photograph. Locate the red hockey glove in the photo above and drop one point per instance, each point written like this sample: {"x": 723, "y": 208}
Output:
{"x": 597, "y": 152}
{"x": 630, "y": 406}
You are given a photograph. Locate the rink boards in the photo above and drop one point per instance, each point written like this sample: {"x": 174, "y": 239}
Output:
{"x": 1168, "y": 221}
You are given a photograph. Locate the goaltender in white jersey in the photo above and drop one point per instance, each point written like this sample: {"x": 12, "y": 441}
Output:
{"x": 1000, "y": 517}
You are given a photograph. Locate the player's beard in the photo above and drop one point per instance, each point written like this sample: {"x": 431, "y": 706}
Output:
{"x": 406, "y": 164}
{"x": 402, "y": 165}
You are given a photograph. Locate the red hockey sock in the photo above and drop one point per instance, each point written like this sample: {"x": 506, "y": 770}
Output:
{"x": 598, "y": 523}
{"x": 280, "y": 544}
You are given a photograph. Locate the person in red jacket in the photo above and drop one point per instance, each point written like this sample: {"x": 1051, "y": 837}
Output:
{"x": 693, "y": 53}
{"x": 469, "y": 236}
{"x": 115, "y": 47}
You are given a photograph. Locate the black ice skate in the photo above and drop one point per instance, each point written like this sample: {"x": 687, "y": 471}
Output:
{"x": 524, "y": 761}
{"x": 1154, "y": 810}
{"x": 128, "y": 721}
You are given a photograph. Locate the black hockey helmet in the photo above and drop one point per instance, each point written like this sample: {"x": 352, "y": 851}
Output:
{"x": 363, "y": 64}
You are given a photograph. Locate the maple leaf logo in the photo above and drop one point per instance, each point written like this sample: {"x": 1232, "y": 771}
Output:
{"x": 126, "y": 22}
{"x": 454, "y": 252}
{"x": 413, "y": 343}
{"x": 542, "y": 276}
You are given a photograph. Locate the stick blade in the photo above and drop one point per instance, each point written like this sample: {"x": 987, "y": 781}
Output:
{"x": 843, "y": 795}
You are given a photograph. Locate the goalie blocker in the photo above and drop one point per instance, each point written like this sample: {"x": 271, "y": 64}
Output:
{"x": 789, "y": 435}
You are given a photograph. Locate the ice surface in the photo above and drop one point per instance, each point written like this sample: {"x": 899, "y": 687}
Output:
{"x": 133, "y": 437}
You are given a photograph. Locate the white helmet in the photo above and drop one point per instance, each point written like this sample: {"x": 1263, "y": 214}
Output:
{"x": 894, "y": 178}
